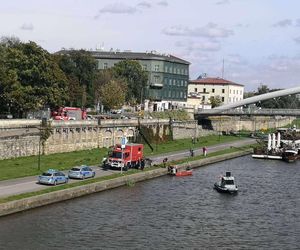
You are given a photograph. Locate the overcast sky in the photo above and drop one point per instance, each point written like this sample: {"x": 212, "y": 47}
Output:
{"x": 259, "y": 40}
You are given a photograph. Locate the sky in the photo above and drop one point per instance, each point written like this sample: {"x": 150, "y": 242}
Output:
{"x": 251, "y": 42}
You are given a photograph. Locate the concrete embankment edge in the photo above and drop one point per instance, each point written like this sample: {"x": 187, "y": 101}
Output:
{"x": 71, "y": 193}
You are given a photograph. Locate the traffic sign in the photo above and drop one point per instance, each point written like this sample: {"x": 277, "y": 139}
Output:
{"x": 124, "y": 141}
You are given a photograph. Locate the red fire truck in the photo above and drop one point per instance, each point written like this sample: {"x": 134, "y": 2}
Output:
{"x": 69, "y": 113}
{"x": 127, "y": 156}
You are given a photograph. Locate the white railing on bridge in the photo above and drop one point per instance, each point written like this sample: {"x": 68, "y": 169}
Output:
{"x": 249, "y": 111}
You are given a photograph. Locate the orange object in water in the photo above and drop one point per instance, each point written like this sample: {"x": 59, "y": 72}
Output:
{"x": 184, "y": 173}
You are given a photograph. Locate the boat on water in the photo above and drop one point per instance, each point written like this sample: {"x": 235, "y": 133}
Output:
{"x": 226, "y": 184}
{"x": 291, "y": 155}
{"x": 176, "y": 172}
{"x": 184, "y": 173}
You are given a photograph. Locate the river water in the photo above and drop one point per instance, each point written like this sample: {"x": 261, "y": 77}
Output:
{"x": 173, "y": 213}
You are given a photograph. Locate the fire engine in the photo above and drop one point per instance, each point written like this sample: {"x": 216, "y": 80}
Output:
{"x": 69, "y": 113}
{"x": 126, "y": 156}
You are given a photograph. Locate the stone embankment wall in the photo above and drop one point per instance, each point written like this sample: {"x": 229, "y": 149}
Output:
{"x": 45, "y": 199}
{"x": 22, "y": 137}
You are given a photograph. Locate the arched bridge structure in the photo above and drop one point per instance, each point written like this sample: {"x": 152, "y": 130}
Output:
{"x": 230, "y": 109}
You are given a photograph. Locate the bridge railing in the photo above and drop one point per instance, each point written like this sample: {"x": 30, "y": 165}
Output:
{"x": 249, "y": 111}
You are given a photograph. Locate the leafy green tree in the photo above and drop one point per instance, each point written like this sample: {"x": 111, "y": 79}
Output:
{"x": 112, "y": 94}
{"x": 215, "y": 101}
{"x": 80, "y": 68}
{"x": 102, "y": 78}
{"x": 32, "y": 80}
{"x": 135, "y": 77}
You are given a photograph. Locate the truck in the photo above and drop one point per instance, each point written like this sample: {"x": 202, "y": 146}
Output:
{"x": 69, "y": 113}
{"x": 123, "y": 157}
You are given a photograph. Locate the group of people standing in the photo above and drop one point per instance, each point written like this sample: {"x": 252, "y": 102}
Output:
{"x": 204, "y": 151}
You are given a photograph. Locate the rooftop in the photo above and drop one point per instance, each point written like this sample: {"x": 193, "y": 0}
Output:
{"x": 214, "y": 81}
{"x": 116, "y": 54}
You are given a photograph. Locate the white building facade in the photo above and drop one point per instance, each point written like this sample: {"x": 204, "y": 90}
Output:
{"x": 201, "y": 90}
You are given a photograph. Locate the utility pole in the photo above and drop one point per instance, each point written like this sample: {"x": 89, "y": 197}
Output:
{"x": 223, "y": 69}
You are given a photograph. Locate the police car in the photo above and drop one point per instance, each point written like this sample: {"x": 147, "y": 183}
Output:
{"x": 52, "y": 177}
{"x": 81, "y": 172}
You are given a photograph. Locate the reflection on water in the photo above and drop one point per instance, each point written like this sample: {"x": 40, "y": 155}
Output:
{"x": 172, "y": 213}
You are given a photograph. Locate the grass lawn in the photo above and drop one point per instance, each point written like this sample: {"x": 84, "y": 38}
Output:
{"x": 116, "y": 175}
{"x": 28, "y": 166}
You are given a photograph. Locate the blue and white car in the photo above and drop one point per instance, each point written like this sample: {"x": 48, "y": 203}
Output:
{"x": 81, "y": 172}
{"x": 52, "y": 177}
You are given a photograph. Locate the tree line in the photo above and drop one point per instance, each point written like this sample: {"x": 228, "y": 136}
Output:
{"x": 31, "y": 79}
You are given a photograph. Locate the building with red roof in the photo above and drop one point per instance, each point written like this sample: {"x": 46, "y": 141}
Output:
{"x": 202, "y": 89}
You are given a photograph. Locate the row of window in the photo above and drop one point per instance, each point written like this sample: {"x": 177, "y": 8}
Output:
{"x": 212, "y": 90}
{"x": 222, "y": 98}
{"x": 156, "y": 69}
{"x": 234, "y": 99}
{"x": 223, "y": 91}
{"x": 167, "y": 69}
{"x": 175, "y": 82}
{"x": 235, "y": 91}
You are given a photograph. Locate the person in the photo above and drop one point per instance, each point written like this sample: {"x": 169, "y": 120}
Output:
{"x": 142, "y": 164}
{"x": 204, "y": 150}
{"x": 174, "y": 170}
{"x": 191, "y": 152}
{"x": 165, "y": 161}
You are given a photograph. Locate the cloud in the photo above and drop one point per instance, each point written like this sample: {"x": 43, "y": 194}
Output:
{"x": 27, "y": 26}
{"x": 297, "y": 39}
{"x": 163, "y": 3}
{"x": 144, "y": 4}
{"x": 223, "y": 2}
{"x": 211, "y": 30}
{"x": 298, "y": 22}
{"x": 191, "y": 46}
{"x": 283, "y": 63}
{"x": 283, "y": 23}
{"x": 117, "y": 8}
{"x": 235, "y": 59}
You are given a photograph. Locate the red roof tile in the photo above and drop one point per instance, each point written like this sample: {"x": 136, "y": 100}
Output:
{"x": 214, "y": 81}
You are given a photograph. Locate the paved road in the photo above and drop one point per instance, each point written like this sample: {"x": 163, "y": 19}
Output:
{"x": 28, "y": 184}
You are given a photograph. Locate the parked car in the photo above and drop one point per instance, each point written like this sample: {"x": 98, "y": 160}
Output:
{"x": 52, "y": 177}
{"x": 81, "y": 172}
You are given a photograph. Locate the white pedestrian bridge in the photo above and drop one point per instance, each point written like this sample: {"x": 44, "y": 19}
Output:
{"x": 230, "y": 109}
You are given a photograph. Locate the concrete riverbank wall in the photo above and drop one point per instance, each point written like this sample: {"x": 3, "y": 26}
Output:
{"x": 22, "y": 137}
{"x": 71, "y": 193}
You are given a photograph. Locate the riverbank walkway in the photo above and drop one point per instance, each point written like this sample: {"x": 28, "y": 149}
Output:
{"x": 28, "y": 184}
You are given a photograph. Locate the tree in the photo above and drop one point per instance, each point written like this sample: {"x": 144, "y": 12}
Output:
{"x": 80, "y": 68}
{"x": 215, "y": 101}
{"x": 102, "y": 78}
{"x": 112, "y": 94}
{"x": 29, "y": 77}
{"x": 135, "y": 77}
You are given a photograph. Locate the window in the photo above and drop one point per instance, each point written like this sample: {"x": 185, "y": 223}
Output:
{"x": 144, "y": 67}
{"x": 223, "y": 99}
{"x": 203, "y": 98}
{"x": 204, "y": 90}
{"x": 105, "y": 66}
{"x": 196, "y": 90}
{"x": 223, "y": 91}
{"x": 156, "y": 79}
{"x": 213, "y": 90}
{"x": 170, "y": 81}
{"x": 156, "y": 68}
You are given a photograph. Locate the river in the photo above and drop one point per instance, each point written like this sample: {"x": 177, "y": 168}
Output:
{"x": 172, "y": 213}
